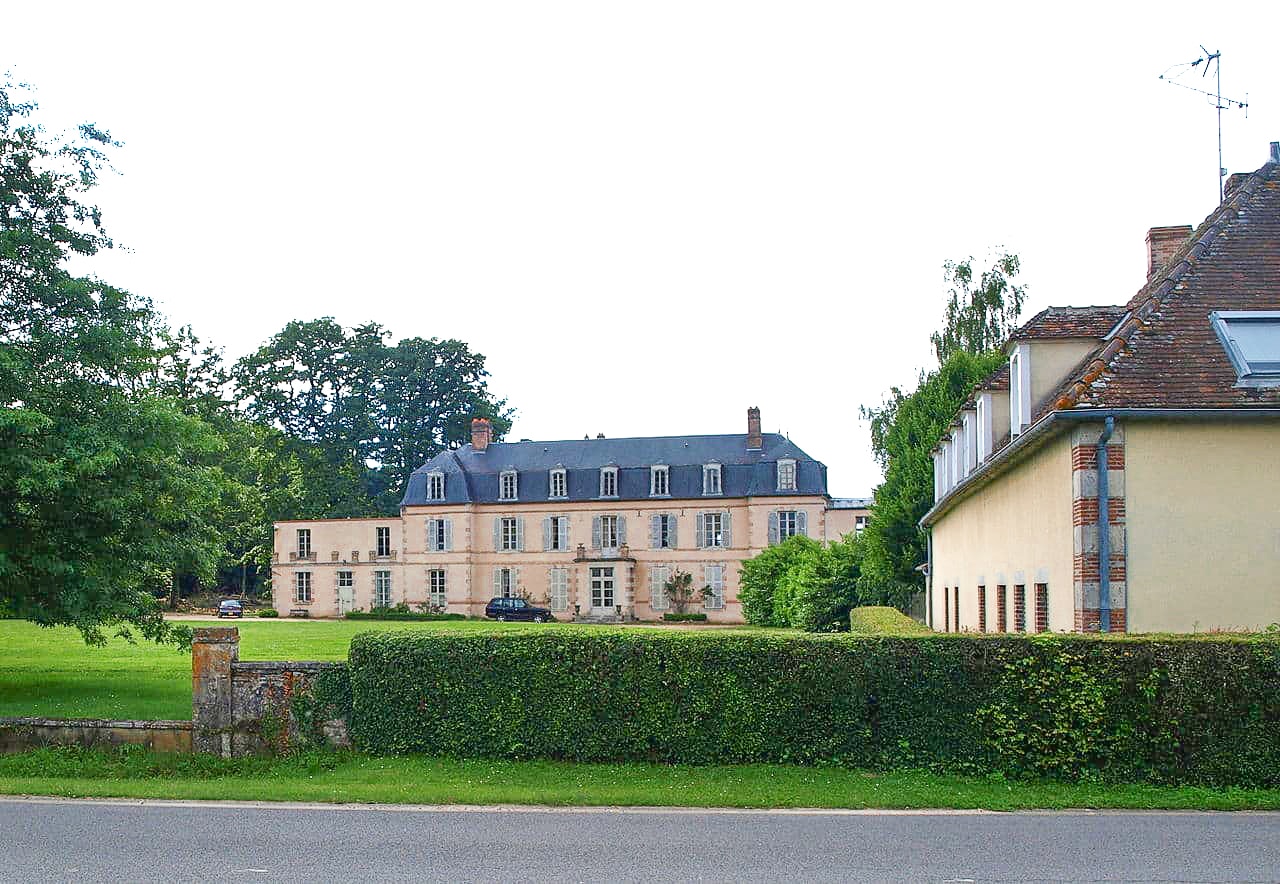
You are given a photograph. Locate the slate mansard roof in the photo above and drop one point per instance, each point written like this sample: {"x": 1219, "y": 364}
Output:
{"x": 472, "y": 476}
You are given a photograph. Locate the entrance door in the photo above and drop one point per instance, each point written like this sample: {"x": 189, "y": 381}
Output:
{"x": 602, "y": 589}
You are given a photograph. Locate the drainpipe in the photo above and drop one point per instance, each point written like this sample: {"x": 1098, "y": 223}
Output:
{"x": 1104, "y": 529}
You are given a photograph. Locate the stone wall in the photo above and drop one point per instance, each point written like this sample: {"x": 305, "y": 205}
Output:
{"x": 19, "y": 734}
{"x": 236, "y": 709}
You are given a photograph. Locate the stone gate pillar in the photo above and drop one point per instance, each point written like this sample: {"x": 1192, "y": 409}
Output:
{"x": 213, "y": 650}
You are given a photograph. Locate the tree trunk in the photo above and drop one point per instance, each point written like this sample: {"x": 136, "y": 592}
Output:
{"x": 173, "y": 593}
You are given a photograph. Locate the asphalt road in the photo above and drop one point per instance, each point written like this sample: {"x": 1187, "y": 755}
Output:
{"x": 46, "y": 840}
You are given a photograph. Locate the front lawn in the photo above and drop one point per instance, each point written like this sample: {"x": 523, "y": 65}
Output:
{"x": 51, "y": 672}
{"x": 351, "y": 777}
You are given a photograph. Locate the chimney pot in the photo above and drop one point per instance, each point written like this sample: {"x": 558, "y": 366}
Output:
{"x": 481, "y": 433}
{"x": 1162, "y": 244}
{"x": 1275, "y": 151}
{"x": 755, "y": 441}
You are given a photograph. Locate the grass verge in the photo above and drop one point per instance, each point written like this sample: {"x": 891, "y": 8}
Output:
{"x": 351, "y": 777}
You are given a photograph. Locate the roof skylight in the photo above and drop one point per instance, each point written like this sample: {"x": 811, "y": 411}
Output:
{"x": 1252, "y": 341}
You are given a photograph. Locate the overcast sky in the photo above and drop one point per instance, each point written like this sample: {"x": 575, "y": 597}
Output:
{"x": 649, "y": 215}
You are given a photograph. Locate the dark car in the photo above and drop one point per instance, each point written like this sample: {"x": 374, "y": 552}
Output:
{"x": 515, "y": 609}
{"x": 230, "y": 608}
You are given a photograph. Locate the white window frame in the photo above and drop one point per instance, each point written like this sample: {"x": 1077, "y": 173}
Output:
{"x": 508, "y": 485}
{"x": 608, "y": 481}
{"x": 984, "y": 429}
{"x": 435, "y": 485}
{"x": 302, "y": 588}
{"x": 439, "y": 535}
{"x": 509, "y": 534}
{"x": 712, "y": 480}
{"x": 380, "y": 534}
{"x": 609, "y": 531}
{"x": 1248, "y": 374}
{"x": 1019, "y": 389}
{"x": 558, "y": 589}
{"x": 957, "y": 457}
{"x": 557, "y": 477}
{"x": 860, "y": 524}
{"x": 969, "y": 430}
{"x": 666, "y": 522}
{"x": 710, "y": 539}
{"x": 346, "y": 579}
{"x": 557, "y": 539}
{"x": 788, "y": 524}
{"x": 438, "y": 588}
{"x": 659, "y": 481}
{"x": 788, "y": 474}
{"x": 304, "y": 543}
{"x": 382, "y": 581}
{"x": 713, "y": 601}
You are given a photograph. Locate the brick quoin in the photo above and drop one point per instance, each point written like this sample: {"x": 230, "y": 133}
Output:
{"x": 1090, "y": 620}
{"x": 1084, "y": 511}
{"x": 1087, "y": 567}
{"x": 1085, "y": 457}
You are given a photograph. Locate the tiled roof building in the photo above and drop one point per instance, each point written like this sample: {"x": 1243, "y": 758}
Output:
{"x": 1120, "y": 471}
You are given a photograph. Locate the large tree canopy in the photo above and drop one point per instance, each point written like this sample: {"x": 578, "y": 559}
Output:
{"x": 374, "y": 412}
{"x": 907, "y": 426}
{"x": 106, "y": 482}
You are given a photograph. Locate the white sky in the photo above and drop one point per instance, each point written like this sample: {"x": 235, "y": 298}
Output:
{"x": 651, "y": 215}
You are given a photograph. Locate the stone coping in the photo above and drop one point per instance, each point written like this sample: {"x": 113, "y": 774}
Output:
{"x": 283, "y": 666}
{"x": 160, "y": 724}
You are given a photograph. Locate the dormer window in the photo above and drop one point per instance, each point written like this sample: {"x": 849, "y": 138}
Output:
{"x": 609, "y": 482}
{"x": 559, "y": 483}
{"x": 984, "y": 427}
{"x": 969, "y": 429}
{"x": 1019, "y": 390}
{"x": 435, "y": 486}
{"x": 957, "y": 457}
{"x": 711, "y": 483}
{"x": 507, "y": 485}
{"x": 786, "y": 475}
{"x": 659, "y": 481}
{"x": 1252, "y": 341}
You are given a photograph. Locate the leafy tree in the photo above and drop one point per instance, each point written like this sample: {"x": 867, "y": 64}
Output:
{"x": 802, "y": 583}
{"x": 978, "y": 318}
{"x": 105, "y": 487}
{"x": 761, "y": 575}
{"x": 906, "y": 427}
{"x": 372, "y": 412}
{"x": 680, "y": 591}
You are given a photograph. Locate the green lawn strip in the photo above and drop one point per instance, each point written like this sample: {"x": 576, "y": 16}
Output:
{"x": 53, "y": 673}
{"x": 350, "y": 777}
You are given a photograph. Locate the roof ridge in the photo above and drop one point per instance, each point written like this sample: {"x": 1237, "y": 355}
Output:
{"x": 1152, "y": 295}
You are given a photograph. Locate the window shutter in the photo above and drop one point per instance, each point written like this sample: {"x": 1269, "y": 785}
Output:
{"x": 431, "y": 535}
{"x": 622, "y": 530}
{"x": 802, "y": 522}
{"x": 563, "y": 531}
{"x": 672, "y": 522}
{"x": 702, "y": 534}
{"x": 727, "y": 535}
{"x": 520, "y": 534}
{"x": 773, "y": 528}
{"x": 595, "y": 532}
{"x": 655, "y": 532}
{"x": 515, "y": 582}
{"x": 448, "y": 535}
{"x": 497, "y": 533}
{"x": 497, "y": 583}
{"x": 546, "y": 533}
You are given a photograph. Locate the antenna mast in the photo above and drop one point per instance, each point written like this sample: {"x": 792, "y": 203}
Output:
{"x": 1220, "y": 104}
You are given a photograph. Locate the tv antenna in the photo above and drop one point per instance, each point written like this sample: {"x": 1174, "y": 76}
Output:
{"x": 1219, "y": 103}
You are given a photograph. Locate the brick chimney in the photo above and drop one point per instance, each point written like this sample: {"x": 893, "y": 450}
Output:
{"x": 755, "y": 441}
{"x": 481, "y": 433}
{"x": 1162, "y": 244}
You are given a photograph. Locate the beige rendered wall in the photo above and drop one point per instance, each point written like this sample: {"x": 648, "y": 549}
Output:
{"x": 841, "y": 522}
{"x": 1203, "y": 508}
{"x": 1050, "y": 361}
{"x": 469, "y": 566}
{"x": 1016, "y": 530}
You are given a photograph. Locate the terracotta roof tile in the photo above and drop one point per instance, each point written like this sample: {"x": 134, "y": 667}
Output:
{"x": 1165, "y": 354}
{"x": 1070, "y": 322}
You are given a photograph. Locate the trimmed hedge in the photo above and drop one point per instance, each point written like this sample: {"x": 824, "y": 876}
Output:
{"x": 268, "y": 612}
{"x": 1169, "y": 711}
{"x": 392, "y": 614}
{"x": 672, "y": 617}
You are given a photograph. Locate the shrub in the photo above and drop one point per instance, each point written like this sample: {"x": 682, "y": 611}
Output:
{"x": 396, "y": 614}
{"x": 880, "y": 620}
{"x": 1183, "y": 710}
{"x": 760, "y": 575}
{"x": 681, "y": 617}
{"x": 268, "y": 612}
{"x": 802, "y": 583}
